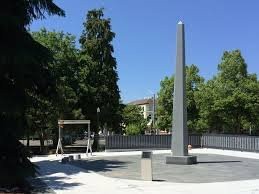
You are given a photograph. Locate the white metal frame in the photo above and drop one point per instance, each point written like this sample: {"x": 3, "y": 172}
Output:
{"x": 73, "y": 122}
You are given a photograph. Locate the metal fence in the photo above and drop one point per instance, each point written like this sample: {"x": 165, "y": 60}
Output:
{"x": 221, "y": 141}
{"x": 231, "y": 142}
{"x": 145, "y": 142}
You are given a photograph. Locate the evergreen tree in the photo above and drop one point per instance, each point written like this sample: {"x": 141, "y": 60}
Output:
{"x": 22, "y": 67}
{"x": 99, "y": 76}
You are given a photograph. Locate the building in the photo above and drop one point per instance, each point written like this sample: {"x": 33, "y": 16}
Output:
{"x": 147, "y": 106}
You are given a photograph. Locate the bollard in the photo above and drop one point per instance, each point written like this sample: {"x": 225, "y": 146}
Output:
{"x": 64, "y": 160}
{"x": 70, "y": 158}
{"x": 77, "y": 157}
{"x": 146, "y": 166}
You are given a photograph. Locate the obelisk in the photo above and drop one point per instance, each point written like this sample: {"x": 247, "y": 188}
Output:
{"x": 180, "y": 130}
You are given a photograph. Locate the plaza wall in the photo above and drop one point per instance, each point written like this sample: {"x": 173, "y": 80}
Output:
{"x": 230, "y": 142}
{"x": 119, "y": 142}
{"x": 219, "y": 141}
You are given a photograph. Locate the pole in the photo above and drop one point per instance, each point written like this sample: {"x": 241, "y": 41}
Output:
{"x": 98, "y": 120}
{"x": 153, "y": 115}
{"x": 59, "y": 132}
{"x": 59, "y": 146}
{"x": 96, "y": 136}
{"x": 89, "y": 146}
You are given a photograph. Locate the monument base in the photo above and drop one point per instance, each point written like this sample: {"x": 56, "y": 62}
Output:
{"x": 184, "y": 160}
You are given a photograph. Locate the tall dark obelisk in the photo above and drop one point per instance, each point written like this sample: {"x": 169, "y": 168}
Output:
{"x": 180, "y": 131}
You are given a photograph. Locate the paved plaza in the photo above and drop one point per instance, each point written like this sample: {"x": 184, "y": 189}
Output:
{"x": 217, "y": 171}
{"x": 210, "y": 168}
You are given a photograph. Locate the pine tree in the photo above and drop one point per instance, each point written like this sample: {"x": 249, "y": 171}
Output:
{"x": 99, "y": 71}
{"x": 22, "y": 68}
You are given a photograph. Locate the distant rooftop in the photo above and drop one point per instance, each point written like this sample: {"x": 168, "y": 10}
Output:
{"x": 142, "y": 101}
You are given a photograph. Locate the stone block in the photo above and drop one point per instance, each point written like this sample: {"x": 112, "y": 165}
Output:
{"x": 183, "y": 160}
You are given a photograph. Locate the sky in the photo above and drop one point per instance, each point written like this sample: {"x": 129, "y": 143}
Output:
{"x": 145, "y": 42}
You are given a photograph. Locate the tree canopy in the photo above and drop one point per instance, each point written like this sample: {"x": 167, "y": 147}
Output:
{"x": 63, "y": 102}
{"x": 133, "y": 120}
{"x": 165, "y": 99}
{"x": 227, "y": 103}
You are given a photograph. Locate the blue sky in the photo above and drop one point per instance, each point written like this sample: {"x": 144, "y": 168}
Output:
{"x": 146, "y": 36}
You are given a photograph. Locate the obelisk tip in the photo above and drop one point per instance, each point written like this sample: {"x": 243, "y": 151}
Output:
{"x": 180, "y": 22}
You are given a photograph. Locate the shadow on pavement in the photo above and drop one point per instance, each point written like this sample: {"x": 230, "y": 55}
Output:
{"x": 38, "y": 186}
{"x": 48, "y": 177}
{"x": 99, "y": 165}
{"x": 47, "y": 174}
{"x": 158, "y": 180}
{"x": 211, "y": 162}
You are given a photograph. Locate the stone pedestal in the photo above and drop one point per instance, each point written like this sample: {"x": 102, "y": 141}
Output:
{"x": 183, "y": 160}
{"x": 77, "y": 157}
{"x": 146, "y": 166}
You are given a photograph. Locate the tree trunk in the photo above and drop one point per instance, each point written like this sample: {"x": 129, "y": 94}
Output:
{"x": 95, "y": 146}
{"x": 41, "y": 141}
{"x": 238, "y": 124}
{"x": 28, "y": 138}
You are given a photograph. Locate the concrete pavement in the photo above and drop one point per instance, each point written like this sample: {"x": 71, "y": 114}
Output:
{"x": 66, "y": 178}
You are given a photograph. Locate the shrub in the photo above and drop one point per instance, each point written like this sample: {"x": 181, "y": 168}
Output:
{"x": 133, "y": 129}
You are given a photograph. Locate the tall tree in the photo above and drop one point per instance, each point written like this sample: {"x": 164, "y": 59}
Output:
{"x": 209, "y": 119}
{"x": 99, "y": 71}
{"x": 165, "y": 103}
{"x": 193, "y": 84}
{"x": 64, "y": 69}
{"x": 228, "y": 103}
{"x": 22, "y": 67}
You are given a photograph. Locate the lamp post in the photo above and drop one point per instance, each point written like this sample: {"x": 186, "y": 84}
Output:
{"x": 153, "y": 115}
{"x": 96, "y": 136}
{"x": 98, "y": 119}
{"x": 153, "y": 111}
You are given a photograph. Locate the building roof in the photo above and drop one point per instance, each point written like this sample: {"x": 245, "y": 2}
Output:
{"x": 142, "y": 101}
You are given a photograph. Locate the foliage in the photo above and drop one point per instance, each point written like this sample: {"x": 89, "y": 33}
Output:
{"x": 228, "y": 103}
{"x": 165, "y": 103}
{"x": 193, "y": 83}
{"x": 64, "y": 101}
{"x": 133, "y": 120}
{"x": 14, "y": 163}
{"x": 134, "y": 129}
{"x": 98, "y": 86}
{"x": 64, "y": 68}
{"x": 165, "y": 99}
{"x": 23, "y": 67}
